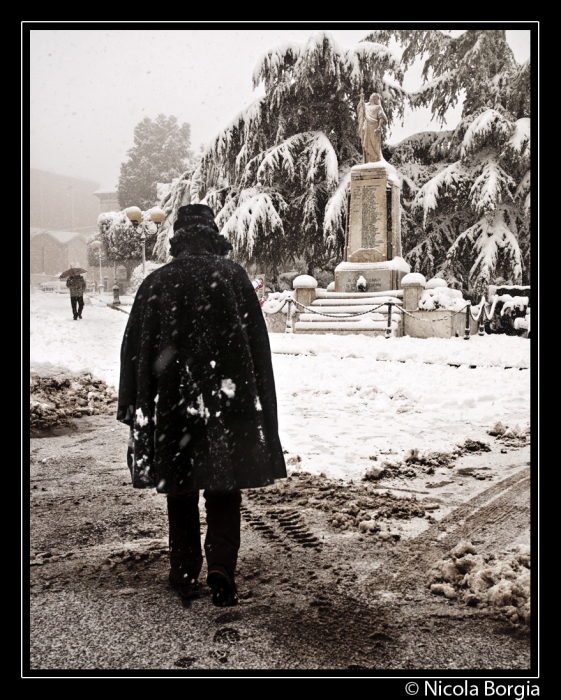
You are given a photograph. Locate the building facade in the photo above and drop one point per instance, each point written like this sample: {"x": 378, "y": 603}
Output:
{"x": 52, "y": 252}
{"x": 62, "y": 203}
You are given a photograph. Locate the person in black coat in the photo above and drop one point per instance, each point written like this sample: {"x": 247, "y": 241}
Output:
{"x": 198, "y": 391}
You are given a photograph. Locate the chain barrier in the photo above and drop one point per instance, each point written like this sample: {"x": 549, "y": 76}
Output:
{"x": 307, "y": 309}
{"x": 487, "y": 315}
{"x": 389, "y": 304}
{"x": 478, "y": 316}
{"x": 368, "y": 311}
{"x": 490, "y": 315}
{"x": 482, "y": 315}
{"x": 289, "y": 326}
{"x": 483, "y": 304}
{"x": 482, "y": 310}
{"x": 337, "y": 316}
{"x": 436, "y": 320}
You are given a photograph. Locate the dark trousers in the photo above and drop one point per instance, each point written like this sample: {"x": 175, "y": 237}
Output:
{"x": 222, "y": 541}
{"x": 77, "y": 305}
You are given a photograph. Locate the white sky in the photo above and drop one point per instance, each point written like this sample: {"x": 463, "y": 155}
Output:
{"x": 90, "y": 87}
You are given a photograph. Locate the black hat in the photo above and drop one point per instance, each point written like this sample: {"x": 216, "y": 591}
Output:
{"x": 195, "y": 226}
{"x": 192, "y": 214}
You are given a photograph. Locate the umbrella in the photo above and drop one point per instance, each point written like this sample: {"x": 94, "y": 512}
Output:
{"x": 72, "y": 272}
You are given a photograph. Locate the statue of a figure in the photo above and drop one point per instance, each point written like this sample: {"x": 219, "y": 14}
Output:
{"x": 371, "y": 119}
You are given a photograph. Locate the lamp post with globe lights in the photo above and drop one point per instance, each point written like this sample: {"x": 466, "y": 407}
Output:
{"x": 134, "y": 214}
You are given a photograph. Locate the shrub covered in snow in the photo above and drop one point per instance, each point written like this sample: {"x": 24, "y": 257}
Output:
{"x": 510, "y": 314}
{"x": 441, "y": 297}
{"x": 137, "y": 278}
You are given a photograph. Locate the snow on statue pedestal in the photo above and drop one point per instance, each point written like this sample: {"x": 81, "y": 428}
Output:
{"x": 373, "y": 245}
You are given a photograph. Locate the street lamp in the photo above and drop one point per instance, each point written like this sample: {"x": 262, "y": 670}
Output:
{"x": 96, "y": 245}
{"x": 135, "y": 217}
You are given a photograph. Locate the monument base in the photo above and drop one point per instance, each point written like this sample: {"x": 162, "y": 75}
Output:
{"x": 379, "y": 276}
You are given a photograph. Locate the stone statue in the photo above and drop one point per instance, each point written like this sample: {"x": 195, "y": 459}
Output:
{"x": 371, "y": 119}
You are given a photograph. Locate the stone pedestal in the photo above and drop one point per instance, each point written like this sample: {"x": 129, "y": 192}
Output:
{"x": 373, "y": 245}
{"x": 413, "y": 286}
{"x": 304, "y": 289}
{"x": 374, "y": 224}
{"x": 380, "y": 277}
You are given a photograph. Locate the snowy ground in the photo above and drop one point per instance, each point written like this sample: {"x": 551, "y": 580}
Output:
{"x": 342, "y": 399}
{"x": 320, "y": 588}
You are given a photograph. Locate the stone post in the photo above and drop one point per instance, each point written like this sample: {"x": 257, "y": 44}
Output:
{"x": 304, "y": 290}
{"x": 413, "y": 286}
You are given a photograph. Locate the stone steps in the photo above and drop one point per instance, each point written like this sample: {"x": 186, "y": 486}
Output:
{"x": 352, "y": 309}
{"x": 342, "y": 305}
{"x": 356, "y": 297}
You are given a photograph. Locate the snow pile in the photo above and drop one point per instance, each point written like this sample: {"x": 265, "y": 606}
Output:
{"x": 413, "y": 278}
{"x": 54, "y": 400}
{"x": 276, "y": 301}
{"x": 355, "y": 507}
{"x": 436, "y": 282}
{"x": 441, "y": 297}
{"x": 515, "y": 436}
{"x": 304, "y": 282}
{"x": 523, "y": 323}
{"x": 361, "y": 284}
{"x": 510, "y": 303}
{"x": 500, "y": 584}
{"x": 415, "y": 460}
{"x": 368, "y": 514}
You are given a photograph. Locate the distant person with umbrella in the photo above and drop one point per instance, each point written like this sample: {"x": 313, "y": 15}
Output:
{"x": 77, "y": 285}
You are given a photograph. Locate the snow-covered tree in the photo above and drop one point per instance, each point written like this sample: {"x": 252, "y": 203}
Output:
{"x": 276, "y": 176}
{"x": 466, "y": 192}
{"x": 121, "y": 241}
{"x": 160, "y": 154}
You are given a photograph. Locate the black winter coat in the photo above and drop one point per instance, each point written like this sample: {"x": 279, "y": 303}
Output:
{"x": 76, "y": 285}
{"x": 197, "y": 385}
